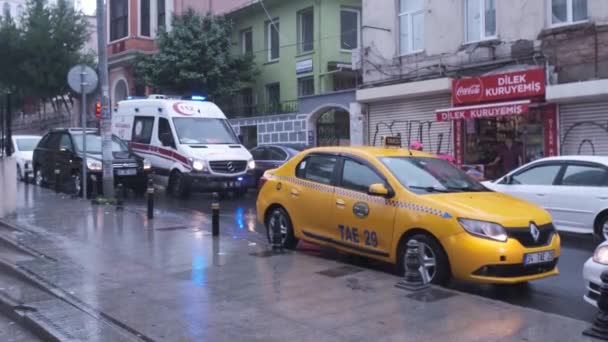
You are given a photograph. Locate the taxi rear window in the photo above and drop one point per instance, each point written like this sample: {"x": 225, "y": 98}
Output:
{"x": 320, "y": 169}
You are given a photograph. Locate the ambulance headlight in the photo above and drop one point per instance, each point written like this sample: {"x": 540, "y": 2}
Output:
{"x": 484, "y": 229}
{"x": 94, "y": 164}
{"x": 251, "y": 164}
{"x": 199, "y": 165}
{"x": 147, "y": 165}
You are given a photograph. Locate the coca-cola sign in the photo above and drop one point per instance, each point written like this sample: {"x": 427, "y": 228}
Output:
{"x": 499, "y": 87}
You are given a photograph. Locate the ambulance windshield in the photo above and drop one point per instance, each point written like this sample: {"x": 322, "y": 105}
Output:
{"x": 193, "y": 131}
{"x": 430, "y": 175}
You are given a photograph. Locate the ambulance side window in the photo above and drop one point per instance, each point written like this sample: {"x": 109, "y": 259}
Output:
{"x": 142, "y": 129}
{"x": 164, "y": 133}
{"x": 320, "y": 169}
{"x": 358, "y": 177}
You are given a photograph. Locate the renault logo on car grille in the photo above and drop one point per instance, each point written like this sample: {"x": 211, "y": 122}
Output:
{"x": 534, "y": 231}
{"x": 230, "y": 167}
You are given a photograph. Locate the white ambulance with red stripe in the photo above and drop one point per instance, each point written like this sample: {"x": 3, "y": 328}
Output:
{"x": 190, "y": 143}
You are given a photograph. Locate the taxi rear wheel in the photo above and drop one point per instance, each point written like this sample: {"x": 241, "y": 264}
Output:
{"x": 434, "y": 262}
{"x": 278, "y": 216}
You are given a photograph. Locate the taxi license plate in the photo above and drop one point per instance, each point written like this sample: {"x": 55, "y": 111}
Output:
{"x": 126, "y": 172}
{"x": 538, "y": 258}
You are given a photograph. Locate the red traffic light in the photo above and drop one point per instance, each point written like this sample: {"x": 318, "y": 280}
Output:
{"x": 98, "y": 110}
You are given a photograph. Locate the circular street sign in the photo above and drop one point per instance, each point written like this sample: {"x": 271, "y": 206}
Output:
{"x": 82, "y": 77}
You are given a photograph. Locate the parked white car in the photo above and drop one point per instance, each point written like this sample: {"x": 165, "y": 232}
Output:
{"x": 573, "y": 189}
{"x": 23, "y": 147}
{"x": 592, "y": 272}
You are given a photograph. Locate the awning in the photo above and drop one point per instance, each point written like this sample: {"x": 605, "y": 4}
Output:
{"x": 490, "y": 110}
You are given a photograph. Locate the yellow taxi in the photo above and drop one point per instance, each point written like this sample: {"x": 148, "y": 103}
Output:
{"x": 371, "y": 201}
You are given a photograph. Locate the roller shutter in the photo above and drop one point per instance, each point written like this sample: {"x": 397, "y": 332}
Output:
{"x": 584, "y": 128}
{"x": 415, "y": 120}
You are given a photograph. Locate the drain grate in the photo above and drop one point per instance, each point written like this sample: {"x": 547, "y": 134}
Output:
{"x": 340, "y": 271}
{"x": 430, "y": 295}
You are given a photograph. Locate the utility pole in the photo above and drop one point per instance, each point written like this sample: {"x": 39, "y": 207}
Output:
{"x": 106, "y": 114}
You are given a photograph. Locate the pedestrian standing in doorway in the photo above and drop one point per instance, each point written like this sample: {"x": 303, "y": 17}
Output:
{"x": 509, "y": 156}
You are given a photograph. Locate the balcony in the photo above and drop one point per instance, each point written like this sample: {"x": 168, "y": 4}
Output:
{"x": 236, "y": 110}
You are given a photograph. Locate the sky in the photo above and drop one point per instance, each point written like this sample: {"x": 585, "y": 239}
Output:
{"x": 88, "y": 6}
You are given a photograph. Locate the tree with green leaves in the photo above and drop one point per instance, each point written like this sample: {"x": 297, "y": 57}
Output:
{"x": 11, "y": 54}
{"x": 196, "y": 57}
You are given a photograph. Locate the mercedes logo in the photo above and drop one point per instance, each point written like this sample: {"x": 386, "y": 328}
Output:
{"x": 534, "y": 231}
{"x": 230, "y": 167}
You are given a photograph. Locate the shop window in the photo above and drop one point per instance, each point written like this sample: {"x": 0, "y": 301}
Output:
{"x": 306, "y": 86}
{"x": 480, "y": 20}
{"x": 305, "y": 30}
{"x": 144, "y": 18}
{"x": 539, "y": 175}
{"x": 119, "y": 19}
{"x": 350, "y": 28}
{"x": 358, "y": 177}
{"x": 411, "y": 26}
{"x": 247, "y": 42}
{"x": 142, "y": 129}
{"x": 318, "y": 169}
{"x": 563, "y": 12}
{"x": 585, "y": 175}
{"x": 272, "y": 40}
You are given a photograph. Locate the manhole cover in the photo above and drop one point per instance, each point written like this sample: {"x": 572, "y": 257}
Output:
{"x": 430, "y": 295}
{"x": 340, "y": 271}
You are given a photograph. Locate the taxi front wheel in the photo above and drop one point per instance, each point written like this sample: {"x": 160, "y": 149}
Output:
{"x": 279, "y": 216}
{"x": 434, "y": 263}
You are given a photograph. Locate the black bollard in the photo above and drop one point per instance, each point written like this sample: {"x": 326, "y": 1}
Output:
{"x": 150, "y": 194}
{"x": 120, "y": 195}
{"x": 57, "y": 185}
{"x": 275, "y": 230}
{"x": 599, "y": 329}
{"x": 94, "y": 184}
{"x": 413, "y": 279}
{"x": 215, "y": 215}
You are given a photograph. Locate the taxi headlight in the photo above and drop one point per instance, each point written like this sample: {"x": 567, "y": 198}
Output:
{"x": 94, "y": 164}
{"x": 147, "y": 165}
{"x": 484, "y": 229}
{"x": 199, "y": 165}
{"x": 601, "y": 255}
{"x": 251, "y": 164}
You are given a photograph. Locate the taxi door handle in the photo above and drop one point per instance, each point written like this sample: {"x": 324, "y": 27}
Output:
{"x": 295, "y": 193}
{"x": 340, "y": 203}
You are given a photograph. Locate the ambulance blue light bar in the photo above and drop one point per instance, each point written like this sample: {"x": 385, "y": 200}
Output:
{"x": 198, "y": 98}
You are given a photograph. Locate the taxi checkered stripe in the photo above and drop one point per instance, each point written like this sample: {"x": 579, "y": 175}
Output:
{"x": 363, "y": 197}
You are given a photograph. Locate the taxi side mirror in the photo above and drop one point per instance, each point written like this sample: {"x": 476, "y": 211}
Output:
{"x": 378, "y": 189}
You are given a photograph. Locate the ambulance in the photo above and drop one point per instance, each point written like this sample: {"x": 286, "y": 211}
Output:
{"x": 190, "y": 144}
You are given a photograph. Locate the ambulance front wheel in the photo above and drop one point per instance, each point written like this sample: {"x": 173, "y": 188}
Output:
{"x": 177, "y": 185}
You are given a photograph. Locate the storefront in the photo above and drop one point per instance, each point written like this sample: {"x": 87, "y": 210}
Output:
{"x": 491, "y": 111}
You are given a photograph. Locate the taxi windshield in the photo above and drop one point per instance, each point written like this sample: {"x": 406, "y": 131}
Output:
{"x": 204, "y": 131}
{"x": 430, "y": 175}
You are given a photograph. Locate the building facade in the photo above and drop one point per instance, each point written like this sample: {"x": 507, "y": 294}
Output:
{"x": 132, "y": 28}
{"x": 461, "y": 76}
{"x": 303, "y": 50}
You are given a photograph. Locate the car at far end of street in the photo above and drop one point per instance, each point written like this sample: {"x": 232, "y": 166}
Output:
{"x": 61, "y": 151}
{"x": 272, "y": 156}
{"x": 23, "y": 150}
{"x": 573, "y": 189}
{"x": 372, "y": 201}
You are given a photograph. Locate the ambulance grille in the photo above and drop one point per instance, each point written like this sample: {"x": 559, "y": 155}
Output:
{"x": 228, "y": 166}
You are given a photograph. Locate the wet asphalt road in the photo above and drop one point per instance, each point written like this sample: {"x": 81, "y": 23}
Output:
{"x": 561, "y": 295}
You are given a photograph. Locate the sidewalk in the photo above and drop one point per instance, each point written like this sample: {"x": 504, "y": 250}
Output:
{"x": 169, "y": 280}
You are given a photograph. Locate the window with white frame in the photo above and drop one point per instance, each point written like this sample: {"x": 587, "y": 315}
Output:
{"x": 411, "y": 26}
{"x": 480, "y": 20}
{"x": 119, "y": 19}
{"x": 350, "y": 28}
{"x": 247, "y": 42}
{"x": 144, "y": 18}
{"x": 305, "y": 30}
{"x": 563, "y": 12}
{"x": 161, "y": 15}
{"x": 272, "y": 40}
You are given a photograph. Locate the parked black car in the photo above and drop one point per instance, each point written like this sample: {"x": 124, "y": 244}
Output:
{"x": 61, "y": 149}
{"x": 272, "y": 156}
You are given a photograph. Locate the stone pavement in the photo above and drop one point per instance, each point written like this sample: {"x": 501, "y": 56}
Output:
{"x": 114, "y": 275}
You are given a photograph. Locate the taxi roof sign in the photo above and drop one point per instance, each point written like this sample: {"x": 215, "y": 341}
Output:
{"x": 392, "y": 141}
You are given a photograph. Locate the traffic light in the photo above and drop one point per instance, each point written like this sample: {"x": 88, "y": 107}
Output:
{"x": 98, "y": 110}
